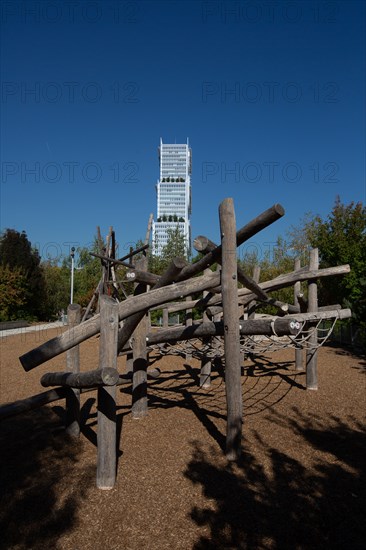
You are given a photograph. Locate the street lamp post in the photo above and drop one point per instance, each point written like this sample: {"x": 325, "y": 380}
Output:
{"x": 72, "y": 274}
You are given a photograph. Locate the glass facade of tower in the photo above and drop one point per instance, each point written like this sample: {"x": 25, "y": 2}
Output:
{"x": 173, "y": 193}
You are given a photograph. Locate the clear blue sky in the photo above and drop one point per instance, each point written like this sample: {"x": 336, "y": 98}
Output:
{"x": 270, "y": 94}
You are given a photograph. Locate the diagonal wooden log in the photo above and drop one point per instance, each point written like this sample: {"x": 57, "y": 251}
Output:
{"x": 245, "y": 296}
{"x": 134, "y": 252}
{"x": 205, "y": 245}
{"x": 264, "y": 219}
{"x": 109, "y": 260}
{"x": 34, "y": 402}
{"x": 131, "y": 305}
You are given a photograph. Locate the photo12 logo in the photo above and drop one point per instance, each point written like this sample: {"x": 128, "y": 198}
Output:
{"x": 69, "y": 172}
{"x": 71, "y": 12}
{"x": 270, "y": 172}
{"x": 68, "y": 92}
{"x": 281, "y": 11}
{"x": 269, "y": 92}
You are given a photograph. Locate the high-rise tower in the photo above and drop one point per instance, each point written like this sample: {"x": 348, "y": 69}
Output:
{"x": 173, "y": 193}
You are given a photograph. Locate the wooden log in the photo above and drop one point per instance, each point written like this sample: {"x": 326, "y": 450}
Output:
{"x": 256, "y": 225}
{"x": 108, "y": 260}
{"x": 139, "y": 276}
{"x": 245, "y": 296}
{"x": 188, "y": 316}
{"x": 148, "y": 230}
{"x": 29, "y": 403}
{"x": 90, "y": 379}
{"x": 330, "y": 307}
{"x": 304, "y": 305}
{"x": 264, "y": 219}
{"x": 188, "y": 322}
{"x": 289, "y": 279}
{"x": 313, "y": 317}
{"x": 302, "y": 301}
{"x": 297, "y": 290}
{"x": 73, "y": 366}
{"x": 214, "y": 310}
{"x": 91, "y": 302}
{"x": 133, "y": 253}
{"x": 252, "y": 304}
{"x": 231, "y": 330}
{"x": 127, "y": 378}
{"x": 312, "y": 352}
{"x": 129, "y": 361}
{"x": 106, "y": 435}
{"x": 139, "y": 381}
{"x": 131, "y": 305}
{"x": 270, "y": 326}
{"x": 205, "y": 371}
{"x": 165, "y": 318}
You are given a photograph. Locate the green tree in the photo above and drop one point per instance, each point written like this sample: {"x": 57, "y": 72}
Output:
{"x": 276, "y": 261}
{"x": 57, "y": 291}
{"x": 341, "y": 239}
{"x": 87, "y": 275}
{"x": 175, "y": 247}
{"x": 16, "y": 252}
{"x": 13, "y": 293}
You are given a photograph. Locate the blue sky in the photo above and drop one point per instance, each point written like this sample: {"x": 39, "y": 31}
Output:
{"x": 270, "y": 94}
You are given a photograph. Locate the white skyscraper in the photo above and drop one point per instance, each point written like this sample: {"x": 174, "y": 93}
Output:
{"x": 173, "y": 193}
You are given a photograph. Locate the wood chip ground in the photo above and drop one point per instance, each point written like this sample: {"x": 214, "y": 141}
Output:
{"x": 299, "y": 485}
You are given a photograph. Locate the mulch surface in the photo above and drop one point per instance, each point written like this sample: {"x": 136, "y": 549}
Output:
{"x": 299, "y": 484}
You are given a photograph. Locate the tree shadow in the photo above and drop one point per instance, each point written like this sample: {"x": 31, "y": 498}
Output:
{"x": 288, "y": 504}
{"x": 41, "y": 484}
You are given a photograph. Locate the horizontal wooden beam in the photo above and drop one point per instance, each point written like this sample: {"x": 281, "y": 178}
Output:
{"x": 278, "y": 326}
{"x": 99, "y": 377}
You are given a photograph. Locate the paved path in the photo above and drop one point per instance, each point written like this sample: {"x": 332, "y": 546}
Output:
{"x": 33, "y": 328}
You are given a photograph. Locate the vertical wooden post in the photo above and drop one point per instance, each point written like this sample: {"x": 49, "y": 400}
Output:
{"x": 188, "y": 321}
{"x": 129, "y": 362}
{"x": 312, "y": 352}
{"x": 252, "y": 304}
{"x": 139, "y": 379}
{"x": 297, "y": 290}
{"x": 106, "y": 437}
{"x": 231, "y": 329}
{"x": 165, "y": 318}
{"x": 73, "y": 365}
{"x": 205, "y": 374}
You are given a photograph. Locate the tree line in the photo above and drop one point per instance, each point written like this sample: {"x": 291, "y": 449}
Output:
{"x": 38, "y": 290}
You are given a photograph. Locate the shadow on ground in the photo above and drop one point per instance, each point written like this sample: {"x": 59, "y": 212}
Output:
{"x": 293, "y": 507}
{"x": 39, "y": 492}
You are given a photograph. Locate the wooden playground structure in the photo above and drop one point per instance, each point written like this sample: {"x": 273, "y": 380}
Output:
{"x": 229, "y": 329}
